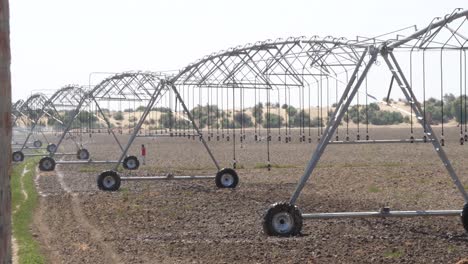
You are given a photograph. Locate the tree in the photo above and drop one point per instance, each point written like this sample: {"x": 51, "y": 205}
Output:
{"x": 291, "y": 111}
{"x": 207, "y": 115}
{"x": 118, "y": 116}
{"x": 165, "y": 120}
{"x": 273, "y": 120}
{"x": 373, "y": 115}
{"x": 141, "y": 108}
{"x": 243, "y": 120}
{"x": 85, "y": 117}
{"x": 300, "y": 119}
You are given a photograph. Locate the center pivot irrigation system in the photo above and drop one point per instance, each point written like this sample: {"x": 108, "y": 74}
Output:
{"x": 443, "y": 36}
{"x": 55, "y": 110}
{"x": 211, "y": 100}
{"x": 24, "y": 115}
{"x": 111, "y": 92}
{"x": 150, "y": 91}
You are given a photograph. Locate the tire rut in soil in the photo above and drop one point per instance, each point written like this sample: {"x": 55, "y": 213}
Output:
{"x": 64, "y": 232}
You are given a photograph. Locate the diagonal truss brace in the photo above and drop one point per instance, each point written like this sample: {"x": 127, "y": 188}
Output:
{"x": 189, "y": 115}
{"x": 345, "y": 101}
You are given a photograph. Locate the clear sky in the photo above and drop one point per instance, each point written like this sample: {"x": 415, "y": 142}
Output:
{"x": 59, "y": 42}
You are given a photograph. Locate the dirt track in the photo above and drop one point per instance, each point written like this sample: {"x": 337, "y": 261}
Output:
{"x": 193, "y": 221}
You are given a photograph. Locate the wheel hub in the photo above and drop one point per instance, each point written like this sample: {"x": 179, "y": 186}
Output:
{"x": 47, "y": 164}
{"x": 16, "y": 157}
{"x": 109, "y": 181}
{"x": 283, "y": 222}
{"x": 131, "y": 164}
{"x": 82, "y": 155}
{"x": 227, "y": 179}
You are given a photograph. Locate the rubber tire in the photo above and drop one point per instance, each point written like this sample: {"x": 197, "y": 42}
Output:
{"x": 464, "y": 217}
{"x": 282, "y": 207}
{"x": 20, "y": 156}
{"x": 127, "y": 159}
{"x": 219, "y": 182}
{"x": 86, "y": 154}
{"x": 51, "y": 148}
{"x": 43, "y": 161}
{"x": 37, "y": 144}
{"x": 105, "y": 174}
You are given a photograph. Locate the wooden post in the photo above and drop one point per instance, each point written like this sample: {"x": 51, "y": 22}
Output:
{"x": 5, "y": 134}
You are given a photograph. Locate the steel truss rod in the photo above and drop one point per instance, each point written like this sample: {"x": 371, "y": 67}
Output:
{"x": 45, "y": 155}
{"x": 167, "y": 177}
{"x": 88, "y": 161}
{"x": 381, "y": 213}
{"x": 342, "y": 106}
{"x": 382, "y": 141}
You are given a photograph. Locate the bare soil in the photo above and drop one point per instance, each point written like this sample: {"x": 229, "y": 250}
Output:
{"x": 194, "y": 222}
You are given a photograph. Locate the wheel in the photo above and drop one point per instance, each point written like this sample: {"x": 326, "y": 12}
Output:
{"x": 17, "y": 156}
{"x": 226, "y": 178}
{"x": 47, "y": 164}
{"x": 82, "y": 154}
{"x": 131, "y": 163}
{"x": 51, "y": 148}
{"x": 464, "y": 217}
{"x": 282, "y": 219}
{"x": 37, "y": 144}
{"x": 108, "y": 181}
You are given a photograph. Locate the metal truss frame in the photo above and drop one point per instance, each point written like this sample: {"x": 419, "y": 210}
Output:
{"x": 127, "y": 86}
{"x": 65, "y": 98}
{"x": 264, "y": 65}
{"x": 27, "y": 112}
{"x": 285, "y": 219}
